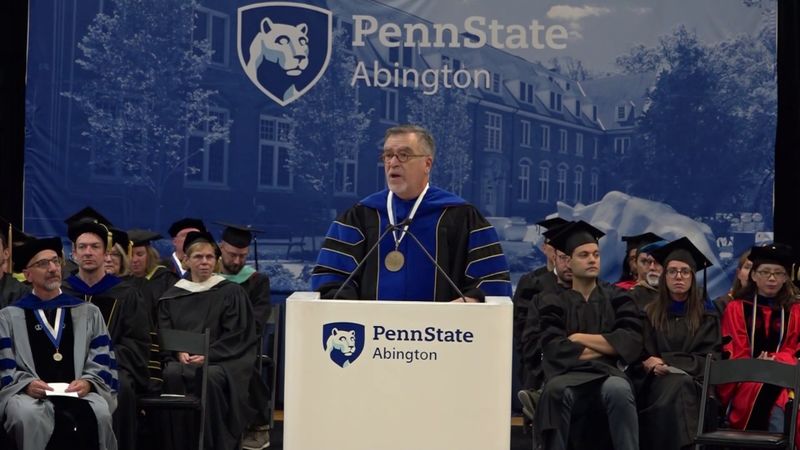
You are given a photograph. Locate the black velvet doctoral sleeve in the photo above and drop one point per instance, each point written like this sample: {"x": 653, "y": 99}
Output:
{"x": 345, "y": 245}
{"x": 626, "y": 336}
{"x": 531, "y": 349}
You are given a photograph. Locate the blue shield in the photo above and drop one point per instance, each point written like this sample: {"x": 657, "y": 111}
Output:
{"x": 343, "y": 341}
{"x": 284, "y": 47}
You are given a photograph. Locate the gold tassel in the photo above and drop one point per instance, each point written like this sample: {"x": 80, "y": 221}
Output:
{"x": 130, "y": 250}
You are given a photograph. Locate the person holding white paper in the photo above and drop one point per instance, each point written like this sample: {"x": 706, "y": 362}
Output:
{"x": 49, "y": 337}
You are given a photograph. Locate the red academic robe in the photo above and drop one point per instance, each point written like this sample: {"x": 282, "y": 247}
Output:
{"x": 736, "y": 321}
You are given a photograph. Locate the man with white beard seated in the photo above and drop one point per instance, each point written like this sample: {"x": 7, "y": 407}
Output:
{"x": 649, "y": 272}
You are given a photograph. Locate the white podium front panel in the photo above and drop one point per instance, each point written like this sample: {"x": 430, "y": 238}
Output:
{"x": 369, "y": 375}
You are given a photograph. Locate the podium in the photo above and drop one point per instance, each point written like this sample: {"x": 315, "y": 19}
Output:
{"x": 397, "y": 375}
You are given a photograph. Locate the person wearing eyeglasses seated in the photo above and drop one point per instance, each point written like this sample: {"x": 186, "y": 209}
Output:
{"x": 49, "y": 337}
{"x": 763, "y": 322}
{"x": 207, "y": 300}
{"x": 461, "y": 240}
{"x": 648, "y": 271}
{"x": 680, "y": 328}
{"x": 588, "y": 333}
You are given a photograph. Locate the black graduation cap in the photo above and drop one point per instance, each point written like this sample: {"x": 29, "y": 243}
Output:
{"x": 200, "y": 236}
{"x": 87, "y": 213}
{"x": 88, "y": 225}
{"x": 187, "y": 222}
{"x": 681, "y": 250}
{"x": 638, "y": 240}
{"x": 552, "y": 222}
{"x": 25, "y": 252}
{"x": 554, "y": 230}
{"x": 141, "y": 237}
{"x": 772, "y": 254}
{"x": 574, "y": 235}
{"x": 239, "y": 236}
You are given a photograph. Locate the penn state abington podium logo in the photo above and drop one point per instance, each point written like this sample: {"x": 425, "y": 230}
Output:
{"x": 284, "y": 47}
{"x": 343, "y": 341}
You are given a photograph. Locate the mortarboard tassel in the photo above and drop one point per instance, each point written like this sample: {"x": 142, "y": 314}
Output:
{"x": 10, "y": 267}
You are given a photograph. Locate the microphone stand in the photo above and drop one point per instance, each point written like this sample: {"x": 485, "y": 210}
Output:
{"x": 438, "y": 267}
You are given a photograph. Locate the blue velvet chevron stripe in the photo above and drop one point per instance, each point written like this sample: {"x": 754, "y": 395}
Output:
{"x": 100, "y": 341}
{"x": 5, "y": 381}
{"x": 336, "y": 260}
{"x": 320, "y": 279}
{"x": 345, "y": 233}
{"x": 487, "y": 266}
{"x": 7, "y": 364}
{"x": 481, "y": 238}
{"x": 6, "y": 342}
{"x": 496, "y": 288}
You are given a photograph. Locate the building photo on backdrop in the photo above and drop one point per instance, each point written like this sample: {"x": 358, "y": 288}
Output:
{"x": 631, "y": 115}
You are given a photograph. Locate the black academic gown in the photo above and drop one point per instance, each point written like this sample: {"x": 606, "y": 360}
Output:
{"x": 642, "y": 295}
{"x": 528, "y": 343}
{"x": 669, "y": 405}
{"x": 128, "y": 324}
{"x": 257, "y": 287}
{"x": 152, "y": 288}
{"x": 225, "y": 309}
{"x": 11, "y": 290}
{"x": 606, "y": 313}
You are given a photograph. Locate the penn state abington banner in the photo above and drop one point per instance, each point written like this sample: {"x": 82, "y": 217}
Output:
{"x": 635, "y": 115}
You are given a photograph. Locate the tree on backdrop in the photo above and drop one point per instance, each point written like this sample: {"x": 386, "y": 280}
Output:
{"x": 445, "y": 114}
{"x": 328, "y": 129}
{"x": 148, "y": 118}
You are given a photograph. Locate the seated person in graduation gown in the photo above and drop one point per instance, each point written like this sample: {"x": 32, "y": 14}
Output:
{"x": 763, "y": 322}
{"x": 680, "y": 329}
{"x": 649, "y": 270}
{"x": 152, "y": 280}
{"x": 461, "y": 240}
{"x": 48, "y": 337}
{"x": 586, "y": 332}
{"x": 743, "y": 267}
{"x": 234, "y": 249}
{"x": 555, "y": 281}
{"x": 10, "y": 288}
{"x": 125, "y": 315}
{"x": 178, "y": 231}
{"x": 209, "y": 301}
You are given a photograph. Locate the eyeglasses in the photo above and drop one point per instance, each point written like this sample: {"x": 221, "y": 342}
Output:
{"x": 563, "y": 257}
{"x": 45, "y": 263}
{"x": 766, "y": 274}
{"x": 673, "y": 272}
{"x": 403, "y": 157}
{"x": 647, "y": 261}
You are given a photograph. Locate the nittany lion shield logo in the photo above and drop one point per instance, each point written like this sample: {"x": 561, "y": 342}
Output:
{"x": 343, "y": 341}
{"x": 284, "y": 47}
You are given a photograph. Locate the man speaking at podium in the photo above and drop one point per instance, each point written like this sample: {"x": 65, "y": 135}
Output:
{"x": 385, "y": 246}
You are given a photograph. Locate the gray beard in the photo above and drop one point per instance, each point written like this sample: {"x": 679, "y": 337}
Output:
{"x": 652, "y": 280}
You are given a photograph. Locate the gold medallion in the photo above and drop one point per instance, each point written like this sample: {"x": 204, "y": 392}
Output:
{"x": 58, "y": 356}
{"x": 394, "y": 261}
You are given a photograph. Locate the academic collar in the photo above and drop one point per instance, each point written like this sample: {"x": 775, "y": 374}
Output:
{"x": 434, "y": 199}
{"x": 107, "y": 282}
{"x": 204, "y": 286}
{"x": 33, "y": 302}
{"x": 240, "y": 277}
{"x": 766, "y": 301}
{"x": 177, "y": 263}
{"x": 677, "y": 308}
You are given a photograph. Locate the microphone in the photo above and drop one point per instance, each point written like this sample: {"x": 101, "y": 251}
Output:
{"x": 367, "y": 255}
{"x": 436, "y": 264}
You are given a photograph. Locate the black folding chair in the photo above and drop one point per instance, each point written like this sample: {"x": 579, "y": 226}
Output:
{"x": 741, "y": 370}
{"x": 194, "y": 344}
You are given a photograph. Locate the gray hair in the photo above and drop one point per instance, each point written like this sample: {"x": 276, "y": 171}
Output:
{"x": 425, "y": 137}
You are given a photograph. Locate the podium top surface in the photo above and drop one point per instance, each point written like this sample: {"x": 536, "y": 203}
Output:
{"x": 309, "y": 296}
